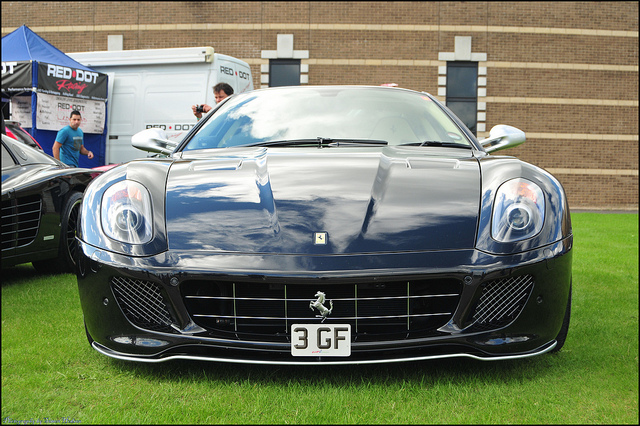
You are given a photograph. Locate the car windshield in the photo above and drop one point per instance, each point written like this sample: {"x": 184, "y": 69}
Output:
{"x": 334, "y": 116}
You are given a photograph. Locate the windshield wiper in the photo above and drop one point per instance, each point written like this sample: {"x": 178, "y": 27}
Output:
{"x": 288, "y": 142}
{"x": 320, "y": 142}
{"x": 339, "y": 142}
{"x": 437, "y": 143}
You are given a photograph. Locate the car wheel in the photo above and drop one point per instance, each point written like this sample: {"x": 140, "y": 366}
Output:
{"x": 564, "y": 330}
{"x": 69, "y": 244}
{"x": 67, "y": 252}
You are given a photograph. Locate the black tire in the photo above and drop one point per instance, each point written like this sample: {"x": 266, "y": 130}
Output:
{"x": 67, "y": 251}
{"x": 68, "y": 242}
{"x": 564, "y": 330}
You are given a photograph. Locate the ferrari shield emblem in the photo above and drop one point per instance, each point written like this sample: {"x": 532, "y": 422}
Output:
{"x": 320, "y": 238}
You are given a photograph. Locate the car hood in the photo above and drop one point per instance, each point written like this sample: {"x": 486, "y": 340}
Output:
{"x": 323, "y": 201}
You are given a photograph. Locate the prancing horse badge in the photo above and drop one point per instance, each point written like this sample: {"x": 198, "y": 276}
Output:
{"x": 320, "y": 238}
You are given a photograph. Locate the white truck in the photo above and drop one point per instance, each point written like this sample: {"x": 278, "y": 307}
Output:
{"x": 156, "y": 88}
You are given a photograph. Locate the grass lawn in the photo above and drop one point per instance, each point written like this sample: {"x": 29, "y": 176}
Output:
{"x": 51, "y": 375}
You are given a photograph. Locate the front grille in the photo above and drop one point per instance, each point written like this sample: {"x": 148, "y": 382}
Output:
{"x": 142, "y": 303}
{"x": 380, "y": 310}
{"x": 502, "y": 301}
{"x": 20, "y": 220}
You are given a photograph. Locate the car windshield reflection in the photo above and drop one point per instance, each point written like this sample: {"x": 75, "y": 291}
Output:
{"x": 287, "y": 117}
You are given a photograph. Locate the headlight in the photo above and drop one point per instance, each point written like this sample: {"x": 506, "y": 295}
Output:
{"x": 518, "y": 211}
{"x": 126, "y": 213}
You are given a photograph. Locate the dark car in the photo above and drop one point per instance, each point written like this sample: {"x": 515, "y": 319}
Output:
{"x": 41, "y": 200}
{"x": 15, "y": 131}
{"x": 326, "y": 225}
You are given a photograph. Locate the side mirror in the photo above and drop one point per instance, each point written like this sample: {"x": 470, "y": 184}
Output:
{"x": 503, "y": 137}
{"x": 153, "y": 140}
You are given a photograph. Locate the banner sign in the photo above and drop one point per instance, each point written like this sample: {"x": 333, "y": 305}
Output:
{"x": 16, "y": 77}
{"x": 21, "y": 110}
{"x": 71, "y": 82}
{"x": 54, "y": 111}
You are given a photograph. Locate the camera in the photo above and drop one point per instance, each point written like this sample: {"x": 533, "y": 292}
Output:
{"x": 200, "y": 108}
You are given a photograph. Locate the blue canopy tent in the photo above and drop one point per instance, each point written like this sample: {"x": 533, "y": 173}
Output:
{"x": 55, "y": 84}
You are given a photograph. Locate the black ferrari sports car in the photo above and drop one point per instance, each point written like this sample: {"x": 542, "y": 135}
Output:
{"x": 41, "y": 200}
{"x": 326, "y": 225}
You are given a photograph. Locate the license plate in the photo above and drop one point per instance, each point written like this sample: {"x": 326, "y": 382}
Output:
{"x": 321, "y": 340}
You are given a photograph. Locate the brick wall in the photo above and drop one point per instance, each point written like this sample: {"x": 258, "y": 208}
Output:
{"x": 564, "y": 72}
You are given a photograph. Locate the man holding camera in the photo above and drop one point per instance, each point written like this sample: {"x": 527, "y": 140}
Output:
{"x": 220, "y": 92}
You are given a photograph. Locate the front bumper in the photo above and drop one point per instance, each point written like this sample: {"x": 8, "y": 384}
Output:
{"x": 478, "y": 305}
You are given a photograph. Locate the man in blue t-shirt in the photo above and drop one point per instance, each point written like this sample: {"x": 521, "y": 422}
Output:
{"x": 69, "y": 142}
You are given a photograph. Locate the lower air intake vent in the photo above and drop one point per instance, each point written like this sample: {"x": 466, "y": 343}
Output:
{"x": 142, "y": 303}
{"x": 502, "y": 301}
{"x": 20, "y": 221}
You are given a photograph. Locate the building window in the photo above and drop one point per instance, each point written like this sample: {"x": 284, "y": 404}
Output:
{"x": 284, "y": 72}
{"x": 462, "y": 92}
{"x": 286, "y": 67}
